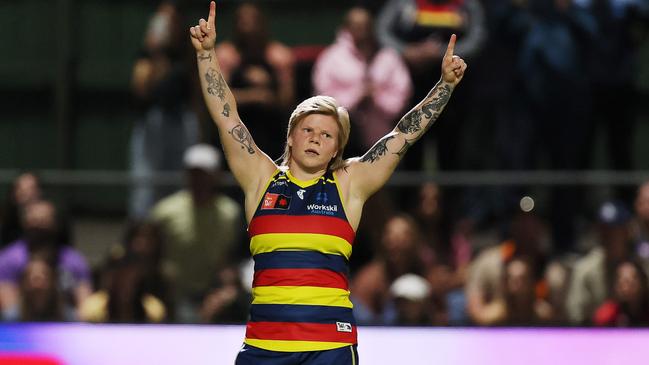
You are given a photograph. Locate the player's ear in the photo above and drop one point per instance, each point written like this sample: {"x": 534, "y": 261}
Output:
{"x": 289, "y": 141}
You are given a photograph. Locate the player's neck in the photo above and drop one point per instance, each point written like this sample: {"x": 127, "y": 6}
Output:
{"x": 303, "y": 173}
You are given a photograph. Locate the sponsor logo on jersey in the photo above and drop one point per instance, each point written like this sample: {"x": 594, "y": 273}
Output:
{"x": 300, "y": 194}
{"x": 343, "y": 327}
{"x": 322, "y": 207}
{"x": 279, "y": 183}
{"x": 276, "y": 201}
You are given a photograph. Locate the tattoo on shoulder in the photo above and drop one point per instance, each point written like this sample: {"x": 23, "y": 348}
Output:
{"x": 406, "y": 145}
{"x": 240, "y": 134}
{"x": 226, "y": 110}
{"x": 215, "y": 83}
{"x": 205, "y": 57}
{"x": 378, "y": 150}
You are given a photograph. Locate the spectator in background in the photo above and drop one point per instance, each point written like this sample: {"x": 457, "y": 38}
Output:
{"x": 372, "y": 82}
{"x": 198, "y": 219}
{"x": 552, "y": 293}
{"x": 417, "y": 29}
{"x": 401, "y": 253}
{"x": 26, "y": 188}
{"x": 450, "y": 247}
{"x": 41, "y": 232}
{"x": 452, "y": 254}
{"x": 40, "y": 297}
{"x": 261, "y": 75}
{"x": 485, "y": 289}
{"x": 228, "y": 302}
{"x": 592, "y": 276}
{"x": 411, "y": 294}
{"x": 133, "y": 284}
{"x": 629, "y": 303}
{"x": 161, "y": 83}
{"x": 521, "y": 304}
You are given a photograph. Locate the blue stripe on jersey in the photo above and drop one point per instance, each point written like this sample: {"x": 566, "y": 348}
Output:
{"x": 300, "y": 313}
{"x": 300, "y": 260}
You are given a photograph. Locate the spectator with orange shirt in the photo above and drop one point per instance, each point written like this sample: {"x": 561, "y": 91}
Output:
{"x": 486, "y": 291}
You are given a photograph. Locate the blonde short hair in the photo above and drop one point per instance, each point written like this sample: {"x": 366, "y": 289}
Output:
{"x": 321, "y": 105}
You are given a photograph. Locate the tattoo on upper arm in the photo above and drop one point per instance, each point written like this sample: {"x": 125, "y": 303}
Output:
{"x": 205, "y": 56}
{"x": 411, "y": 122}
{"x": 406, "y": 145}
{"x": 378, "y": 150}
{"x": 226, "y": 110}
{"x": 215, "y": 83}
{"x": 241, "y": 135}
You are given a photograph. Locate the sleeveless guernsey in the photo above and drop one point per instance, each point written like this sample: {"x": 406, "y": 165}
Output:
{"x": 301, "y": 242}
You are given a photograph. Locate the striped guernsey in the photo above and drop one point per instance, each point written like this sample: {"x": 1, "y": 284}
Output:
{"x": 301, "y": 242}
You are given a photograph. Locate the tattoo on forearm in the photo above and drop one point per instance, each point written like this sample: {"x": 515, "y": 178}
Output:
{"x": 215, "y": 83}
{"x": 435, "y": 105}
{"x": 226, "y": 110}
{"x": 406, "y": 145}
{"x": 378, "y": 150}
{"x": 411, "y": 122}
{"x": 431, "y": 109}
{"x": 241, "y": 135}
{"x": 205, "y": 56}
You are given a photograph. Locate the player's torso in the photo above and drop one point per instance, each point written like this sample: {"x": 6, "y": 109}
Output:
{"x": 301, "y": 242}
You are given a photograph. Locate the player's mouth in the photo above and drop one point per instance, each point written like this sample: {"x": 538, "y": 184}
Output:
{"x": 311, "y": 152}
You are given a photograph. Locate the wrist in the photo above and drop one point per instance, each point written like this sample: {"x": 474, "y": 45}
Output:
{"x": 450, "y": 85}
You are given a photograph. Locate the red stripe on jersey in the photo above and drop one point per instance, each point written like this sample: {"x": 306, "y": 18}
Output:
{"x": 302, "y": 224}
{"x": 292, "y": 331}
{"x": 426, "y": 5}
{"x": 300, "y": 277}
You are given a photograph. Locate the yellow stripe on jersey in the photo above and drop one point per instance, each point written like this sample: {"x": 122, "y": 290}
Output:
{"x": 440, "y": 19}
{"x": 294, "y": 346}
{"x": 301, "y": 295}
{"x": 323, "y": 243}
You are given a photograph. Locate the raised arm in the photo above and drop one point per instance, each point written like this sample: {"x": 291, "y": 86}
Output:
{"x": 370, "y": 172}
{"x": 250, "y": 166}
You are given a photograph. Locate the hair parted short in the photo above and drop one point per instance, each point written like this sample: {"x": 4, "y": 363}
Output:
{"x": 326, "y": 105}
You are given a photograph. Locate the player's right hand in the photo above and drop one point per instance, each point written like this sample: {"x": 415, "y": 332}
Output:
{"x": 203, "y": 35}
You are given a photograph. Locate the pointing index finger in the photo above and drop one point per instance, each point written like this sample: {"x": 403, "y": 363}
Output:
{"x": 451, "y": 47}
{"x": 210, "y": 19}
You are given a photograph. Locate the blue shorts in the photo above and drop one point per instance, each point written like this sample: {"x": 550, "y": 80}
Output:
{"x": 250, "y": 355}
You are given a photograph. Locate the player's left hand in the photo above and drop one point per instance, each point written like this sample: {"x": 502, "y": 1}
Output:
{"x": 453, "y": 66}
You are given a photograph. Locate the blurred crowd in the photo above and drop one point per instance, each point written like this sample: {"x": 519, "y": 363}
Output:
{"x": 545, "y": 78}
